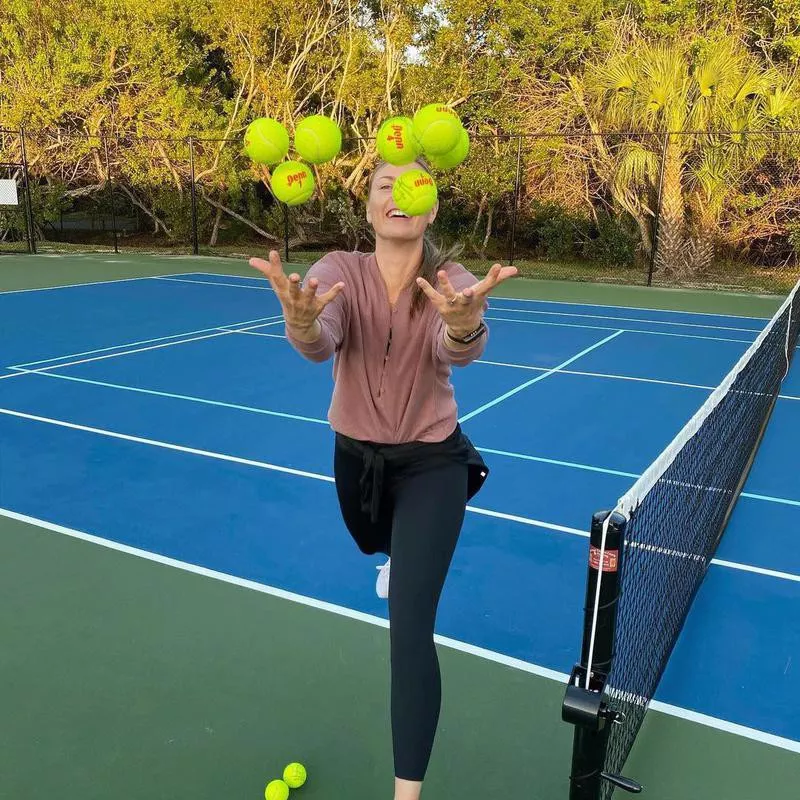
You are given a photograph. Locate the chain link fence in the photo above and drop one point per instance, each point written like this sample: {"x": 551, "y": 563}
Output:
{"x": 692, "y": 209}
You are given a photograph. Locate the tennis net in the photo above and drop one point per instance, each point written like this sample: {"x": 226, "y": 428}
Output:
{"x": 648, "y": 557}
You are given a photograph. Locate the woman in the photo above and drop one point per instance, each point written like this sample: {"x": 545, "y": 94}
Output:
{"x": 396, "y": 321}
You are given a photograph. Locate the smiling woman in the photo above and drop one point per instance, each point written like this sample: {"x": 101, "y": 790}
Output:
{"x": 396, "y": 321}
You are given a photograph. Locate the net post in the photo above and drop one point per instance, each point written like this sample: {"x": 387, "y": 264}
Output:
{"x": 585, "y": 703}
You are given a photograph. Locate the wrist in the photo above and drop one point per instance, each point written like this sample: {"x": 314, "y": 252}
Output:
{"x": 468, "y": 333}
{"x": 307, "y": 333}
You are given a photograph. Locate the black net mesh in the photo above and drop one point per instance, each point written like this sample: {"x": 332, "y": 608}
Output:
{"x": 676, "y": 516}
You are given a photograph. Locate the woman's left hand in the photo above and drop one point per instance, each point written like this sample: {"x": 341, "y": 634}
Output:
{"x": 463, "y": 311}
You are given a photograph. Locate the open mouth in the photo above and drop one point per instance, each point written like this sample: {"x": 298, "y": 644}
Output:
{"x": 395, "y": 213}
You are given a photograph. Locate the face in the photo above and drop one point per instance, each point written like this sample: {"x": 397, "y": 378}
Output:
{"x": 382, "y": 213}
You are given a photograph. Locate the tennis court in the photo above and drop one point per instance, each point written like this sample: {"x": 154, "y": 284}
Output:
{"x": 185, "y": 612}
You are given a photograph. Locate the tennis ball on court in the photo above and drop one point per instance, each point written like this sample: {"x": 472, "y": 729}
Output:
{"x": 295, "y": 775}
{"x": 317, "y": 139}
{"x": 276, "y": 790}
{"x": 266, "y": 141}
{"x": 396, "y": 142}
{"x": 452, "y": 158}
{"x": 415, "y": 192}
{"x": 437, "y": 128}
{"x": 292, "y": 183}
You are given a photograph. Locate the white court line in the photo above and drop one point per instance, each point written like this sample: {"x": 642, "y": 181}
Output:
{"x": 254, "y": 333}
{"x": 173, "y": 396}
{"x": 614, "y": 376}
{"x": 47, "y": 372}
{"x": 143, "y": 341}
{"x": 627, "y": 319}
{"x": 360, "y": 616}
{"x": 556, "y": 313}
{"x": 217, "y": 334}
{"x": 598, "y": 375}
{"x": 216, "y": 283}
{"x": 328, "y": 479}
{"x": 603, "y": 305}
{"x": 538, "y": 378}
{"x": 73, "y": 285}
{"x": 624, "y": 330}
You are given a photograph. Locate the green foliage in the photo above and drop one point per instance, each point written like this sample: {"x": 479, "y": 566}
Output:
{"x": 73, "y": 70}
{"x": 611, "y": 242}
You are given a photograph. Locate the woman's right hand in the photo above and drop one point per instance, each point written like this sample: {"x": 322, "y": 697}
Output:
{"x": 301, "y": 306}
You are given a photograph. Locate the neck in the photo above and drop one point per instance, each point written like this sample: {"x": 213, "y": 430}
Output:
{"x": 398, "y": 261}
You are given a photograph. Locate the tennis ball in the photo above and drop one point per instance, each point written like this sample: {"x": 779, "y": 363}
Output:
{"x": 414, "y": 192}
{"x": 437, "y": 128}
{"x": 396, "y": 141}
{"x": 266, "y": 141}
{"x": 295, "y": 775}
{"x": 292, "y": 183}
{"x": 452, "y": 158}
{"x": 276, "y": 790}
{"x": 317, "y": 139}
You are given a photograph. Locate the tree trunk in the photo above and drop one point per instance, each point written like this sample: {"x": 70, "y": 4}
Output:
{"x": 489, "y": 216}
{"x": 212, "y": 242}
{"x": 481, "y": 206}
{"x": 670, "y": 257}
{"x": 699, "y": 253}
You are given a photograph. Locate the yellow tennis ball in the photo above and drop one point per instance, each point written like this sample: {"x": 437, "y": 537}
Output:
{"x": 276, "y": 790}
{"x": 396, "y": 142}
{"x": 292, "y": 183}
{"x": 414, "y": 192}
{"x": 437, "y": 127}
{"x": 452, "y": 158}
{"x": 317, "y": 139}
{"x": 266, "y": 141}
{"x": 295, "y": 775}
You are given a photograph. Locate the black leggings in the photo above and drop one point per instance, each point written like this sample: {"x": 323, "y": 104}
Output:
{"x": 408, "y": 501}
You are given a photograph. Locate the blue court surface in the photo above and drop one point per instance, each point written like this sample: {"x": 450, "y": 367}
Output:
{"x": 170, "y": 415}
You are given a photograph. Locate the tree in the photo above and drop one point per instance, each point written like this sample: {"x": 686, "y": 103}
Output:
{"x": 666, "y": 90}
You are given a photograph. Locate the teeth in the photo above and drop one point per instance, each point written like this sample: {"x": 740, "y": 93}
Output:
{"x": 397, "y": 214}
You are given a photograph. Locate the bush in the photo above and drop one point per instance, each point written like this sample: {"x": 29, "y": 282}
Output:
{"x": 610, "y": 242}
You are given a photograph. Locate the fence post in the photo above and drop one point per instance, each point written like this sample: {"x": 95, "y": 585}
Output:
{"x": 654, "y": 247}
{"x": 516, "y": 202}
{"x": 110, "y": 187}
{"x": 195, "y": 243}
{"x": 29, "y": 212}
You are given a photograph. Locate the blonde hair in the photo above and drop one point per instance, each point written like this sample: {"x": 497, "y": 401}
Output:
{"x": 434, "y": 256}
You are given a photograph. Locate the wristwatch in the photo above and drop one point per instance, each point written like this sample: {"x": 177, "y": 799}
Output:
{"x": 470, "y": 337}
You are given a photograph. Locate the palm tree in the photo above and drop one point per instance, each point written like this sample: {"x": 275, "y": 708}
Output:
{"x": 669, "y": 91}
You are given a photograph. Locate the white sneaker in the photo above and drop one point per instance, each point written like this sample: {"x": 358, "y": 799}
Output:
{"x": 382, "y": 584}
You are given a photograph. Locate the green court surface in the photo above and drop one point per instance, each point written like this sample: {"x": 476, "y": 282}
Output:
{"x": 131, "y": 677}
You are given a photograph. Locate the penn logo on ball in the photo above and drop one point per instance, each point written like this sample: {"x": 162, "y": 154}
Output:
{"x": 415, "y": 192}
{"x": 292, "y": 183}
{"x": 396, "y": 142}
